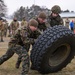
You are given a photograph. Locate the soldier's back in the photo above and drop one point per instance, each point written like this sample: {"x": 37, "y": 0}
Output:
{"x": 14, "y": 25}
{"x": 24, "y": 23}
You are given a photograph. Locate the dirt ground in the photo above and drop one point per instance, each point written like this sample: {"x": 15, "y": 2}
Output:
{"x": 8, "y": 68}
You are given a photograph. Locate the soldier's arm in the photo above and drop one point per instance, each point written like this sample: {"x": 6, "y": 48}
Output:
{"x": 11, "y": 25}
{"x": 14, "y": 39}
{"x": 25, "y": 38}
{"x": 37, "y": 34}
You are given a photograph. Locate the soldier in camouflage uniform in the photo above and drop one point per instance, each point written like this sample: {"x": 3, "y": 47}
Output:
{"x": 67, "y": 22}
{"x": 20, "y": 44}
{"x": 5, "y": 28}
{"x": 41, "y": 27}
{"x": 1, "y": 30}
{"x": 9, "y": 30}
{"x": 24, "y": 22}
{"x": 14, "y": 25}
{"x": 41, "y": 21}
{"x": 55, "y": 18}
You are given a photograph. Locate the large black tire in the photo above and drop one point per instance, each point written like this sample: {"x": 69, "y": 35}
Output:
{"x": 53, "y": 50}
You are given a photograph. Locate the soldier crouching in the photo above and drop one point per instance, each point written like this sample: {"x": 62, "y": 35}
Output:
{"x": 20, "y": 44}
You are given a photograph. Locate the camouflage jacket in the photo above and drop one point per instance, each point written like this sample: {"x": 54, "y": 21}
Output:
{"x": 6, "y": 25}
{"x": 24, "y": 37}
{"x": 24, "y": 23}
{"x": 14, "y": 25}
{"x": 1, "y": 26}
{"x": 41, "y": 26}
{"x": 67, "y": 22}
{"x": 55, "y": 20}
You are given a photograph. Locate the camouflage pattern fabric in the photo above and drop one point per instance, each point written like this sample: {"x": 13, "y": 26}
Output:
{"x": 24, "y": 23}
{"x": 56, "y": 9}
{"x": 14, "y": 26}
{"x": 41, "y": 26}
{"x": 55, "y": 20}
{"x": 22, "y": 53}
{"x": 24, "y": 36}
{"x": 1, "y": 25}
{"x": 1, "y": 35}
{"x": 19, "y": 44}
{"x": 1, "y": 30}
{"x": 67, "y": 23}
{"x": 9, "y": 29}
{"x": 5, "y": 28}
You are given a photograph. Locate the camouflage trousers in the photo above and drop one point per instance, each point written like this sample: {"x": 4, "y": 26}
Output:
{"x": 13, "y": 32}
{"x": 5, "y": 32}
{"x": 67, "y": 25}
{"x": 9, "y": 30}
{"x": 22, "y": 53}
{"x": 1, "y": 34}
{"x": 19, "y": 58}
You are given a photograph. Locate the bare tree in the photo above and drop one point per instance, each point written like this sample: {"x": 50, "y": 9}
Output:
{"x": 3, "y": 8}
{"x": 29, "y": 13}
{"x": 20, "y": 13}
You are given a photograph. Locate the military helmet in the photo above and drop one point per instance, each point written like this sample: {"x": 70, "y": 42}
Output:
{"x": 56, "y": 9}
{"x": 33, "y": 22}
{"x": 42, "y": 15}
